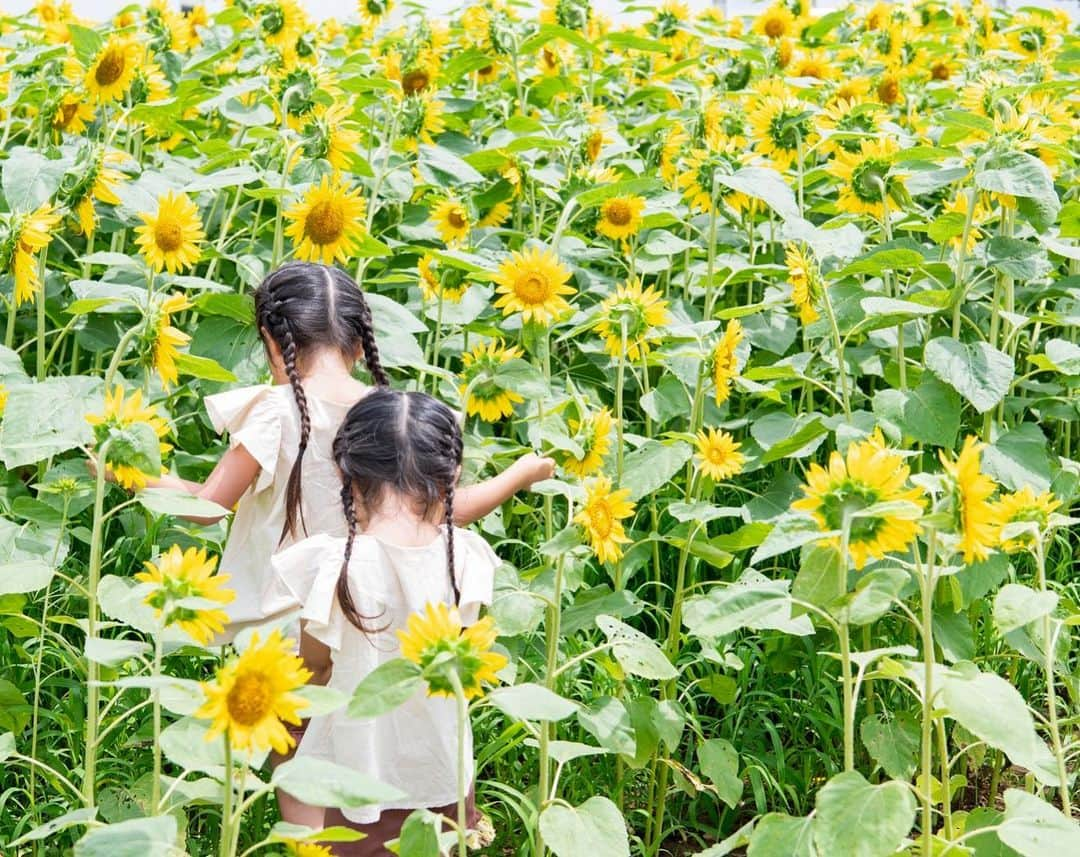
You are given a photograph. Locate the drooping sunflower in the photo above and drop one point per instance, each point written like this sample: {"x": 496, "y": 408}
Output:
{"x": 620, "y": 216}
{"x": 486, "y": 397}
{"x": 698, "y": 181}
{"x": 281, "y": 22}
{"x": 776, "y": 22}
{"x": 983, "y": 95}
{"x": 72, "y": 114}
{"x": 327, "y": 222}
{"x": 179, "y": 576}
{"x": 805, "y": 278}
{"x": 113, "y": 69}
{"x": 594, "y": 436}
{"x": 779, "y": 127}
{"x": 1024, "y": 506}
{"x": 167, "y": 339}
{"x": 100, "y": 184}
{"x": 864, "y": 178}
{"x": 170, "y": 238}
{"x": 32, "y": 233}
{"x": 846, "y": 123}
{"x": 870, "y": 474}
{"x": 421, "y": 120}
{"x": 725, "y": 362}
{"x": 629, "y": 319}
{"x": 602, "y": 517}
{"x": 495, "y": 216}
{"x": 121, "y": 412}
{"x": 534, "y": 283}
{"x": 253, "y": 694}
{"x": 975, "y": 519}
{"x": 452, "y": 221}
{"x": 718, "y": 455}
{"x": 331, "y": 136}
{"x": 440, "y": 282}
{"x": 1033, "y": 34}
{"x": 434, "y": 640}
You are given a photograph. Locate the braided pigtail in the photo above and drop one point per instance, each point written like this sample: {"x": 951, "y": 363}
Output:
{"x": 344, "y": 594}
{"x": 450, "y": 565}
{"x": 293, "y": 491}
{"x": 371, "y": 349}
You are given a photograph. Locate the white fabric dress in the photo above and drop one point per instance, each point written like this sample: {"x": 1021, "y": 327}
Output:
{"x": 413, "y": 747}
{"x": 265, "y": 421}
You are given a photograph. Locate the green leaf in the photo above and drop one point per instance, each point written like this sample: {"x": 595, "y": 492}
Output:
{"x": 385, "y": 688}
{"x": 1017, "y": 605}
{"x": 874, "y": 595}
{"x": 928, "y": 414}
{"x": 322, "y": 783}
{"x": 85, "y": 41}
{"x": 719, "y": 762}
{"x": 184, "y": 743}
{"x": 608, "y": 721}
{"x": 857, "y": 819}
{"x": 161, "y": 501}
{"x": 113, "y": 653}
{"x": 596, "y": 828}
{"x": 74, "y": 818}
{"x": 780, "y": 835}
{"x": 26, "y": 575}
{"x": 879, "y": 260}
{"x": 799, "y": 443}
{"x": 977, "y": 371}
{"x": 1020, "y": 458}
{"x": 636, "y": 653}
{"x": 523, "y": 378}
{"x": 789, "y": 533}
{"x": 30, "y": 179}
{"x": 202, "y": 367}
{"x": 663, "y": 243}
{"x": 764, "y": 184}
{"x": 420, "y": 834}
{"x": 893, "y": 741}
{"x": 531, "y": 702}
{"x": 753, "y": 601}
{"x": 7, "y": 746}
{"x": 321, "y": 700}
{"x": 626, "y": 187}
{"x": 547, "y": 32}
{"x": 48, "y": 417}
{"x": 652, "y": 465}
{"x": 15, "y": 712}
{"x": 992, "y": 709}
{"x": 441, "y": 167}
{"x": 140, "y": 837}
{"x": 137, "y": 446}
{"x": 1063, "y": 356}
{"x": 1034, "y": 828}
{"x": 822, "y": 577}
{"x": 1024, "y": 176}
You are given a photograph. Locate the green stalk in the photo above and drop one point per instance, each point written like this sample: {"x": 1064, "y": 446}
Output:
{"x": 960, "y": 287}
{"x": 843, "y": 634}
{"x": 946, "y": 791}
{"x": 838, "y": 344}
{"x": 1049, "y": 640}
{"x": 155, "y": 695}
{"x": 462, "y": 722}
{"x": 926, "y": 586}
{"x": 226, "y": 805}
{"x": 9, "y": 330}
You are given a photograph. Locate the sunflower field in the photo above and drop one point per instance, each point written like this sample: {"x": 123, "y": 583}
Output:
{"x": 793, "y": 300}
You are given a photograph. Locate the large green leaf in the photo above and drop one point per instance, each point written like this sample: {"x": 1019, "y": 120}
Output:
{"x": 764, "y": 184}
{"x": 977, "y": 371}
{"x": 47, "y": 418}
{"x": 929, "y": 413}
{"x": 531, "y": 702}
{"x": 1035, "y": 828}
{"x": 636, "y": 653}
{"x": 1021, "y": 175}
{"x": 30, "y": 178}
{"x": 753, "y": 601}
{"x": 780, "y": 835}
{"x": 857, "y": 819}
{"x": 893, "y": 742}
{"x": 385, "y": 688}
{"x": 649, "y": 467}
{"x": 1016, "y": 605}
{"x": 595, "y": 828}
{"x": 609, "y": 722}
{"x": 140, "y": 837}
{"x": 719, "y": 762}
{"x": 322, "y": 783}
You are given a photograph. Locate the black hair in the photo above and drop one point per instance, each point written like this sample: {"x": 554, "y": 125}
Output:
{"x": 303, "y": 305}
{"x": 408, "y": 442}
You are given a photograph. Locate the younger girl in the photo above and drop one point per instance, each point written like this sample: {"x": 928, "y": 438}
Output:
{"x": 399, "y": 455}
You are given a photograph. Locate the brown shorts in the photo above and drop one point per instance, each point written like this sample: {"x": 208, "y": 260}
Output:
{"x": 388, "y": 827}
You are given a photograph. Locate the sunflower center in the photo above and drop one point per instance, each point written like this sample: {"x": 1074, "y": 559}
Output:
{"x": 716, "y": 454}
{"x": 109, "y": 68}
{"x": 168, "y": 235}
{"x": 618, "y": 213}
{"x": 532, "y": 288}
{"x": 415, "y": 81}
{"x": 600, "y": 519}
{"x": 940, "y": 71}
{"x": 775, "y": 28}
{"x": 325, "y": 222}
{"x": 868, "y": 180}
{"x": 888, "y": 90}
{"x": 249, "y": 700}
{"x": 67, "y": 113}
{"x": 456, "y": 217}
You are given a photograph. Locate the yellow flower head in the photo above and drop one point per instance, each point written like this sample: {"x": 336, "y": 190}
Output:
{"x": 72, "y": 114}
{"x": 533, "y": 282}
{"x": 780, "y": 126}
{"x": 718, "y": 455}
{"x": 975, "y": 518}
{"x": 725, "y": 361}
{"x": 434, "y": 633}
{"x": 698, "y": 181}
{"x": 441, "y": 282}
{"x": 180, "y": 578}
{"x": 487, "y": 398}
{"x": 112, "y": 71}
{"x": 326, "y": 224}
{"x": 170, "y": 238}
{"x": 34, "y": 233}
{"x": 452, "y": 221}
{"x": 1024, "y": 506}
{"x": 594, "y": 435}
{"x": 421, "y": 120}
{"x": 253, "y": 694}
{"x": 373, "y": 11}
{"x": 864, "y": 178}
{"x": 120, "y": 413}
{"x": 620, "y": 216}
{"x": 805, "y": 278}
{"x": 602, "y": 517}
{"x": 870, "y": 474}
{"x": 166, "y": 339}
{"x": 776, "y": 22}
{"x": 629, "y": 320}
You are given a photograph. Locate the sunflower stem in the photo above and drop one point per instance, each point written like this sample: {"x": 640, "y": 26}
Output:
{"x": 843, "y": 633}
{"x": 155, "y": 785}
{"x": 838, "y": 345}
{"x": 462, "y": 723}
{"x": 960, "y": 287}
{"x": 926, "y": 586}
{"x": 1049, "y": 646}
{"x": 226, "y": 803}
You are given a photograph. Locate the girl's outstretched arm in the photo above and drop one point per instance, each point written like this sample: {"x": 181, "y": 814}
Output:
{"x": 475, "y": 501}
{"x": 227, "y": 483}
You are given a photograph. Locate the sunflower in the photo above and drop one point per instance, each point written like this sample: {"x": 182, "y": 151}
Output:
{"x": 776, "y": 22}
{"x": 594, "y": 436}
{"x": 120, "y": 413}
{"x": 100, "y": 184}
{"x": 602, "y": 517}
{"x": 805, "y": 278}
{"x": 437, "y": 283}
{"x": 373, "y": 11}
{"x": 959, "y": 205}
{"x": 846, "y": 123}
{"x": 167, "y": 339}
{"x": 1024, "y": 506}
{"x": 620, "y": 216}
{"x": 698, "y": 181}
{"x": 113, "y": 69}
{"x": 253, "y": 694}
{"x": 434, "y": 640}
{"x": 331, "y": 136}
{"x": 870, "y": 474}
{"x": 326, "y": 224}
{"x": 33, "y": 232}
{"x": 812, "y": 63}
{"x": 878, "y": 16}
{"x": 495, "y": 216}
{"x": 421, "y": 120}
{"x": 533, "y": 283}
{"x": 179, "y": 576}
{"x": 975, "y": 519}
{"x": 725, "y": 362}
{"x": 889, "y": 90}
{"x": 779, "y": 126}
{"x": 166, "y": 27}
{"x": 984, "y": 95}
{"x": 1032, "y": 34}
{"x": 487, "y": 398}
{"x": 852, "y": 88}
{"x": 194, "y": 18}
{"x": 170, "y": 239}
{"x": 452, "y": 221}
{"x": 281, "y": 23}
{"x": 297, "y": 848}
{"x": 629, "y": 318}
{"x": 72, "y": 114}
{"x": 865, "y": 181}
{"x": 718, "y": 455}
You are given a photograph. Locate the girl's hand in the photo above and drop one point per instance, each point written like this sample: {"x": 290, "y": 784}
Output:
{"x": 532, "y": 468}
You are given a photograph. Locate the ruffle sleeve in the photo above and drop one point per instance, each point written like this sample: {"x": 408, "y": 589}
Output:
{"x": 476, "y": 578}
{"x": 305, "y": 577}
{"x": 253, "y": 417}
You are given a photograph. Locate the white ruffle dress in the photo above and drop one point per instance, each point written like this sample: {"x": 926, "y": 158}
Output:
{"x": 265, "y": 421}
{"x": 414, "y": 747}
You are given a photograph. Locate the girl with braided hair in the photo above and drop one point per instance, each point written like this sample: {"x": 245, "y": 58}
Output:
{"x": 399, "y": 456}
